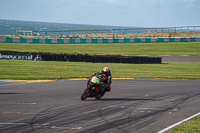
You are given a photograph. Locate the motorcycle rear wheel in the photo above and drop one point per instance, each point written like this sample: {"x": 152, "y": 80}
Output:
{"x": 99, "y": 96}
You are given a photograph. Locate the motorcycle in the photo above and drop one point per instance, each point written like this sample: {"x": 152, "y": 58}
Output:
{"x": 95, "y": 87}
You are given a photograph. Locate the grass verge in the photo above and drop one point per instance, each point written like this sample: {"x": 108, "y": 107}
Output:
{"x": 21, "y": 69}
{"x": 192, "y": 126}
{"x": 167, "y": 48}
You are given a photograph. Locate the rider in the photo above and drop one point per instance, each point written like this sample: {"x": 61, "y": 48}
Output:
{"x": 106, "y": 73}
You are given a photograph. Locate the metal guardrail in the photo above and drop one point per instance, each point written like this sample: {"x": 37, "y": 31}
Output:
{"x": 71, "y": 33}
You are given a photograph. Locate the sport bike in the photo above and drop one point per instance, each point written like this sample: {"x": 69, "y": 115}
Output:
{"x": 95, "y": 87}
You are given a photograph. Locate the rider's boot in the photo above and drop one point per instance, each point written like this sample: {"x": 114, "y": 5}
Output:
{"x": 108, "y": 88}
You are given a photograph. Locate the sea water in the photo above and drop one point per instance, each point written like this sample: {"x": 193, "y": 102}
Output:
{"x": 9, "y": 27}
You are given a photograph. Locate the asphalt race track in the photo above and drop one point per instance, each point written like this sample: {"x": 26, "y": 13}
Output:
{"x": 181, "y": 58}
{"x": 132, "y": 106}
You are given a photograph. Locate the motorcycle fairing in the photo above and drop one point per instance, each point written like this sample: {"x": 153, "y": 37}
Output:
{"x": 95, "y": 80}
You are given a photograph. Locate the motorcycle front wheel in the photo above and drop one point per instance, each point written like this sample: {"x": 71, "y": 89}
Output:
{"x": 85, "y": 94}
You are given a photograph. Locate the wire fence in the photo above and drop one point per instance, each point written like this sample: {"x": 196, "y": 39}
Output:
{"x": 73, "y": 33}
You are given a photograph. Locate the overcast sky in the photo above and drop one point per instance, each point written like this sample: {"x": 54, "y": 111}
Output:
{"x": 135, "y": 13}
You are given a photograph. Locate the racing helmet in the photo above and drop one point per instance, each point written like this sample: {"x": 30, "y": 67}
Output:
{"x": 105, "y": 70}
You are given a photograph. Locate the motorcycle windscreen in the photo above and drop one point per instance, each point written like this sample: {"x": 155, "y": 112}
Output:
{"x": 95, "y": 80}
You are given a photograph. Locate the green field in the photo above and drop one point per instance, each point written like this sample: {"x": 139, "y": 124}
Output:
{"x": 171, "y": 48}
{"x": 192, "y": 126}
{"x": 21, "y": 69}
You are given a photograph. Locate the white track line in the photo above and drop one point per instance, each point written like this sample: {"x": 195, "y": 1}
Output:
{"x": 178, "y": 123}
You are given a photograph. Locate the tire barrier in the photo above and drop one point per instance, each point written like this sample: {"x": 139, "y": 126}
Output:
{"x": 81, "y": 57}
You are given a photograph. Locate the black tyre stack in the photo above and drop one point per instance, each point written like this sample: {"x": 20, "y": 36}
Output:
{"x": 93, "y": 58}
